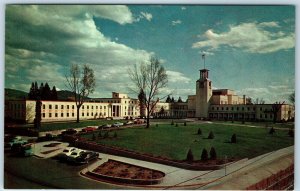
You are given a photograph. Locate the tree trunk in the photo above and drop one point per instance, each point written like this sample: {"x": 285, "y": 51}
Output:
{"x": 148, "y": 118}
{"x": 77, "y": 120}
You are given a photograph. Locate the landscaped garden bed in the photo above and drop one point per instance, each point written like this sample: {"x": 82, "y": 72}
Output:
{"x": 169, "y": 144}
{"x": 126, "y": 173}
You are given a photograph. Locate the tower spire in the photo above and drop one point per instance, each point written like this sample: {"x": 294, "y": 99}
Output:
{"x": 203, "y": 58}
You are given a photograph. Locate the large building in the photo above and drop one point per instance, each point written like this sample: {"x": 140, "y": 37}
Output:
{"x": 218, "y": 104}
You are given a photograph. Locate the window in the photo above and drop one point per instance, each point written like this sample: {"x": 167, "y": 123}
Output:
{"x": 87, "y": 114}
{"x": 68, "y": 107}
{"x": 232, "y": 108}
{"x": 248, "y": 108}
{"x": 56, "y": 106}
{"x": 212, "y": 108}
{"x": 92, "y": 107}
{"x": 92, "y": 114}
{"x": 266, "y": 116}
{"x": 56, "y": 115}
{"x": 62, "y": 114}
{"x": 260, "y": 108}
{"x": 44, "y": 115}
{"x": 260, "y": 115}
{"x": 125, "y": 101}
{"x": 237, "y": 108}
{"x": 87, "y": 107}
{"x": 83, "y": 107}
{"x": 62, "y": 107}
{"x": 72, "y": 114}
{"x": 125, "y": 113}
{"x": 218, "y": 108}
{"x": 44, "y": 107}
{"x": 82, "y": 115}
{"x": 72, "y": 106}
{"x": 50, "y": 106}
{"x": 100, "y": 107}
{"x": 242, "y": 108}
{"x": 227, "y": 108}
{"x": 104, "y": 107}
{"x": 222, "y": 108}
{"x": 50, "y": 114}
{"x": 67, "y": 114}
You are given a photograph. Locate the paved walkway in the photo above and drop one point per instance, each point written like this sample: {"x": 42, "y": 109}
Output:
{"x": 177, "y": 178}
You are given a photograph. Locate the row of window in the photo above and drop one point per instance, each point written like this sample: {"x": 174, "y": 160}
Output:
{"x": 232, "y": 108}
{"x": 73, "y": 107}
{"x": 72, "y": 114}
{"x": 237, "y": 108}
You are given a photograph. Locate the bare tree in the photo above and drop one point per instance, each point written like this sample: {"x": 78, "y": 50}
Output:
{"x": 292, "y": 98}
{"x": 259, "y": 101}
{"x": 276, "y": 107}
{"x": 81, "y": 84}
{"x": 149, "y": 78}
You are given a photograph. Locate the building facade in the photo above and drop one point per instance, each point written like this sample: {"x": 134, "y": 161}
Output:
{"x": 217, "y": 104}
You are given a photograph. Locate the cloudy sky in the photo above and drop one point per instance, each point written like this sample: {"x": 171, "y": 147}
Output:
{"x": 250, "y": 49}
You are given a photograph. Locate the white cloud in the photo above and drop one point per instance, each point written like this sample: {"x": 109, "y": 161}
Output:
{"x": 177, "y": 22}
{"x": 268, "y": 24}
{"x": 147, "y": 16}
{"x": 43, "y": 40}
{"x": 250, "y": 37}
{"x": 177, "y": 77}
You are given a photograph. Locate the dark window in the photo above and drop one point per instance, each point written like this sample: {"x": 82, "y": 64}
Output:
{"x": 50, "y": 114}
{"x": 56, "y": 115}
{"x": 62, "y": 114}
{"x": 44, "y": 107}
{"x": 68, "y": 107}
{"x": 61, "y": 107}
{"x": 73, "y": 106}
{"x": 44, "y": 115}
{"x": 50, "y": 106}
{"x": 56, "y": 106}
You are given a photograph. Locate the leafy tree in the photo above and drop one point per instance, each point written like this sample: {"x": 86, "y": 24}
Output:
{"x": 204, "y": 155}
{"x": 81, "y": 84}
{"x": 233, "y": 138}
{"x": 54, "y": 94}
{"x": 176, "y": 125}
{"x": 38, "y": 115}
{"x": 212, "y": 153}
{"x": 31, "y": 94}
{"x": 168, "y": 100}
{"x": 190, "y": 156}
{"x": 172, "y": 100}
{"x": 211, "y": 135}
{"x": 179, "y": 100}
{"x": 150, "y": 78}
{"x": 46, "y": 92}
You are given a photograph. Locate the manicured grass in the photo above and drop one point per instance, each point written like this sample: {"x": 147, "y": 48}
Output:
{"x": 263, "y": 124}
{"x": 173, "y": 142}
{"x": 73, "y": 124}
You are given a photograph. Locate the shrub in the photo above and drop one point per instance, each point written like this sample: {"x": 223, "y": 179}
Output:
{"x": 115, "y": 135}
{"x": 156, "y": 125}
{"x": 211, "y": 135}
{"x": 176, "y": 125}
{"x": 272, "y": 131}
{"x": 172, "y": 123}
{"x": 199, "y": 132}
{"x": 190, "y": 156}
{"x": 204, "y": 155}
{"x": 106, "y": 135}
{"x": 184, "y": 124}
{"x": 94, "y": 137}
{"x": 233, "y": 138}
{"x": 99, "y": 134}
{"x": 212, "y": 153}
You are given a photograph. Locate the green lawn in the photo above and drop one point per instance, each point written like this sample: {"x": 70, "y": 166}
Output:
{"x": 174, "y": 142}
{"x": 263, "y": 124}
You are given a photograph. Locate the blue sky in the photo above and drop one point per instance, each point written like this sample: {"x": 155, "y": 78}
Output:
{"x": 250, "y": 49}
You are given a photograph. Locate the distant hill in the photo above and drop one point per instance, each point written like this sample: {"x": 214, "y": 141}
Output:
{"x": 12, "y": 94}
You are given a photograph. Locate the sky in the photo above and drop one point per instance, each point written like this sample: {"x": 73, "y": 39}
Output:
{"x": 249, "y": 49}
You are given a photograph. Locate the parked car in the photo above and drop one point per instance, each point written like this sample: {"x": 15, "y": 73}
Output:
{"x": 47, "y": 137}
{"x": 104, "y": 126}
{"x": 72, "y": 157}
{"x": 66, "y": 152}
{"x": 89, "y": 129}
{"x": 117, "y": 124}
{"x": 22, "y": 149}
{"x": 15, "y": 140}
{"x": 69, "y": 132}
{"x": 138, "y": 121}
{"x": 129, "y": 123}
{"x": 86, "y": 157}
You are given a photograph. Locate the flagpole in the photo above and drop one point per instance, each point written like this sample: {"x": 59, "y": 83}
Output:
{"x": 203, "y": 57}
